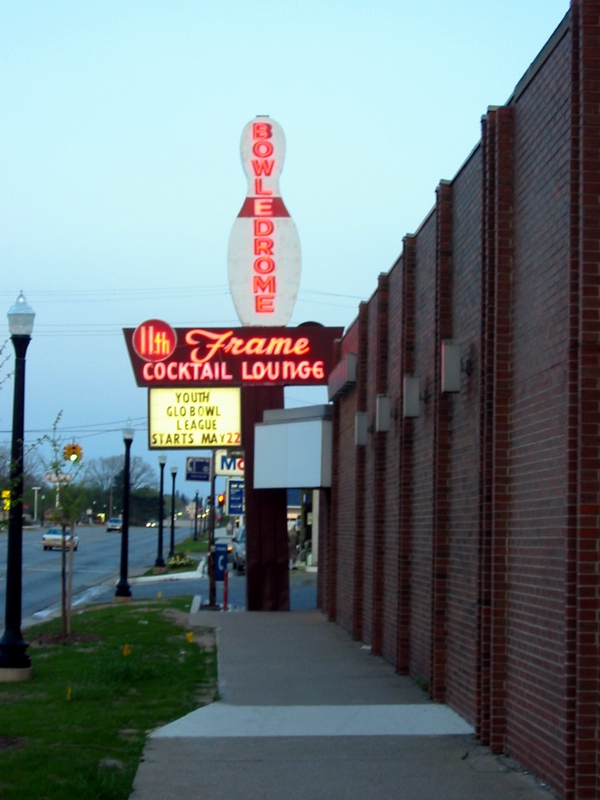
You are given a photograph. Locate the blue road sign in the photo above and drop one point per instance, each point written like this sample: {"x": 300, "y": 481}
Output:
{"x": 197, "y": 469}
{"x": 235, "y": 497}
{"x": 220, "y": 560}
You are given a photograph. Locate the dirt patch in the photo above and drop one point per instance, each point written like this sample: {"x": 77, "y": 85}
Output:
{"x": 181, "y": 618}
{"x": 55, "y": 639}
{"x": 6, "y": 742}
{"x": 205, "y": 638}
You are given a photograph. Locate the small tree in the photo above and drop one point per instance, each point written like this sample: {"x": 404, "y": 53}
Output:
{"x": 64, "y": 467}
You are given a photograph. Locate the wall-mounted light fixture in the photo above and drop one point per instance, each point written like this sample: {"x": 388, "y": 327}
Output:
{"x": 383, "y": 414}
{"x": 451, "y": 366}
{"x": 361, "y": 428}
{"x": 410, "y": 396}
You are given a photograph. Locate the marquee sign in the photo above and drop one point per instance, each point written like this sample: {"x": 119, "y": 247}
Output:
{"x": 190, "y": 418}
{"x": 263, "y": 257}
{"x": 162, "y": 356}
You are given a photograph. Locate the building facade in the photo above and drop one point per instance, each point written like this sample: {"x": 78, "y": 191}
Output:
{"x": 463, "y": 528}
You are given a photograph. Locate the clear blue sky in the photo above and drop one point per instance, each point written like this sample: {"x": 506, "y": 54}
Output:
{"x": 120, "y": 174}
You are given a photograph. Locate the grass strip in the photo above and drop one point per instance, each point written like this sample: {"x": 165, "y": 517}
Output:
{"x": 190, "y": 546}
{"x": 78, "y": 729}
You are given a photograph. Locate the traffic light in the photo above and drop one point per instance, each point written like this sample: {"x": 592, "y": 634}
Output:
{"x": 221, "y": 500}
{"x": 73, "y": 452}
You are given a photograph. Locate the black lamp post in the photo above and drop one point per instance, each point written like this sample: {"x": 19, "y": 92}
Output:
{"x": 123, "y": 589}
{"x": 160, "y": 562}
{"x": 196, "y": 519}
{"x": 172, "y": 548}
{"x": 15, "y": 664}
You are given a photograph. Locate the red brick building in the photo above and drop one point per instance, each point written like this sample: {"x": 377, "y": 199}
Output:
{"x": 463, "y": 543}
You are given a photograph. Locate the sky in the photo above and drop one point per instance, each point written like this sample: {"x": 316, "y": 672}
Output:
{"x": 120, "y": 174}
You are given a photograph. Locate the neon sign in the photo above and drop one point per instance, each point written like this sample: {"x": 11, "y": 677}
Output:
{"x": 264, "y": 258}
{"x": 154, "y": 340}
{"x": 234, "y": 356}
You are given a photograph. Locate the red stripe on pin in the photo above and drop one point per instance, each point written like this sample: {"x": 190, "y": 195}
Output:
{"x": 263, "y": 207}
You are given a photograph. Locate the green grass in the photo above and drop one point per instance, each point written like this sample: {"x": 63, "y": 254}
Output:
{"x": 88, "y": 747}
{"x": 190, "y": 546}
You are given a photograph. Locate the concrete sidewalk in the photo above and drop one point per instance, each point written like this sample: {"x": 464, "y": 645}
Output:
{"x": 308, "y": 713}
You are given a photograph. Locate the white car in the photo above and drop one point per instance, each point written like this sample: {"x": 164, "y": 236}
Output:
{"x": 53, "y": 538}
{"x": 239, "y": 551}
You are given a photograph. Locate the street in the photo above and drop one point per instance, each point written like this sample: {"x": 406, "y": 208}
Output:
{"x": 96, "y": 571}
{"x": 96, "y": 562}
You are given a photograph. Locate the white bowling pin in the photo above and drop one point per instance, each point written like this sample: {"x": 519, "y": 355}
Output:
{"x": 263, "y": 259}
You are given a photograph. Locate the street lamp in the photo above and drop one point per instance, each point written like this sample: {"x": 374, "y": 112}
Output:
{"x": 15, "y": 664}
{"x": 172, "y": 548}
{"x": 123, "y": 590}
{"x": 160, "y": 562}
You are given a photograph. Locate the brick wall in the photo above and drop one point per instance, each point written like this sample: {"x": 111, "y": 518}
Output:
{"x": 536, "y": 552}
{"x": 467, "y": 539}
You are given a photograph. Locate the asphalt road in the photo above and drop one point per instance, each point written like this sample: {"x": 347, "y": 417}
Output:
{"x": 96, "y": 563}
{"x": 96, "y": 571}
{"x": 303, "y": 590}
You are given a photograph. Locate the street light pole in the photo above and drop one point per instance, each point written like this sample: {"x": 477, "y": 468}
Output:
{"x": 172, "y": 548}
{"x": 123, "y": 590}
{"x": 160, "y": 562}
{"x": 212, "y": 585}
{"x": 15, "y": 664}
{"x": 35, "y": 490}
{"x": 196, "y": 519}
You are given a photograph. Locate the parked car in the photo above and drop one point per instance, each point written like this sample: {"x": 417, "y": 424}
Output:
{"x": 239, "y": 550}
{"x": 53, "y": 538}
{"x": 114, "y": 524}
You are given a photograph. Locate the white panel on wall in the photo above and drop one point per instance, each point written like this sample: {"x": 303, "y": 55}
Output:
{"x": 451, "y": 367}
{"x": 292, "y": 455}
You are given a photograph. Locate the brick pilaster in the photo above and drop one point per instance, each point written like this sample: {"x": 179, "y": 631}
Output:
{"x": 331, "y": 550}
{"x": 405, "y": 467}
{"x": 486, "y": 406}
{"x": 504, "y": 257}
{"x": 268, "y": 568}
{"x": 441, "y": 446}
{"x": 495, "y": 408}
{"x": 569, "y": 785}
{"x": 380, "y": 461}
{"x": 360, "y": 477}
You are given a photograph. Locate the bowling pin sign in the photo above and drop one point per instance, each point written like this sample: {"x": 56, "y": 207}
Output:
{"x": 263, "y": 259}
